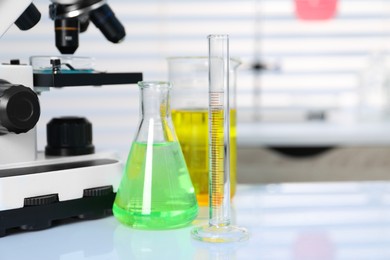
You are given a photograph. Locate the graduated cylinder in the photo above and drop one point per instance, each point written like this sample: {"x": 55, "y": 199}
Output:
{"x": 190, "y": 95}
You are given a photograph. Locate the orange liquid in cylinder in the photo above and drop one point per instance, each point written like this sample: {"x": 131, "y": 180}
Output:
{"x": 192, "y": 130}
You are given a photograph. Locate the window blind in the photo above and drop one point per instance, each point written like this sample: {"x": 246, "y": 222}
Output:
{"x": 310, "y": 65}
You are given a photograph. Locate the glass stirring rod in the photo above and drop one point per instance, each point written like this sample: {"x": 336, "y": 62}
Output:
{"x": 219, "y": 228}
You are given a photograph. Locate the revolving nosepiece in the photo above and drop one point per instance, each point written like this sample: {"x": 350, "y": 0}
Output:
{"x": 73, "y": 17}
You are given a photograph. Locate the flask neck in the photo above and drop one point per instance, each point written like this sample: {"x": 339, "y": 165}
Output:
{"x": 154, "y": 102}
{"x": 155, "y": 116}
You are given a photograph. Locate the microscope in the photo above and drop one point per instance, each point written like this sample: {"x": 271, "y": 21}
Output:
{"x": 69, "y": 179}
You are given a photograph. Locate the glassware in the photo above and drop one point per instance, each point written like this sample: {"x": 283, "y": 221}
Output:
{"x": 189, "y": 75}
{"x": 68, "y": 64}
{"x": 373, "y": 90}
{"x": 156, "y": 190}
{"x": 219, "y": 229}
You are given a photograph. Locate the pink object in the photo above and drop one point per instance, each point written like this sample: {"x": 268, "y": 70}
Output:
{"x": 315, "y": 9}
{"x": 313, "y": 245}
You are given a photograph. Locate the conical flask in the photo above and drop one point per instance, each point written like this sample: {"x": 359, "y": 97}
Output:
{"x": 156, "y": 191}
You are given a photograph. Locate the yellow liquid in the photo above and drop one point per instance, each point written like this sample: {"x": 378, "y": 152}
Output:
{"x": 192, "y": 130}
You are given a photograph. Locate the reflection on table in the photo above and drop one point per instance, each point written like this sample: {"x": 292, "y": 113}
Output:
{"x": 286, "y": 221}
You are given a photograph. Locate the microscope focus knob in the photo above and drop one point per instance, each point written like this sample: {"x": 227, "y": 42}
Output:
{"x": 19, "y": 108}
{"x": 68, "y": 136}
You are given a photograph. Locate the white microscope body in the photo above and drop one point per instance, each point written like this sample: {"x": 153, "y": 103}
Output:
{"x": 35, "y": 189}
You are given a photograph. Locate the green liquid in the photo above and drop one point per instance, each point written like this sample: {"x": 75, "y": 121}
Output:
{"x": 156, "y": 191}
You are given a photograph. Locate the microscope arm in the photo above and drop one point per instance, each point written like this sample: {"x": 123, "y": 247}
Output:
{"x": 21, "y": 12}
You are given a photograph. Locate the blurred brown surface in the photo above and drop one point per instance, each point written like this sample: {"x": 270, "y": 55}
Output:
{"x": 262, "y": 165}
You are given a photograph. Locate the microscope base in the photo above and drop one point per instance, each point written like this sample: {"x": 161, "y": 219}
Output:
{"x": 45, "y": 216}
{"x": 40, "y": 194}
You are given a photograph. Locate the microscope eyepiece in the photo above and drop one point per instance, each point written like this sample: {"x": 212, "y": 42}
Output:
{"x": 105, "y": 19}
{"x": 29, "y": 18}
{"x": 67, "y": 35}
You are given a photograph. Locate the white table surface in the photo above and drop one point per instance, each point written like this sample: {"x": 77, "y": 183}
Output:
{"x": 287, "y": 221}
{"x": 313, "y": 134}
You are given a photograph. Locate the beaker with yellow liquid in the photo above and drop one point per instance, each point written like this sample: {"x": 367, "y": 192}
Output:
{"x": 189, "y": 103}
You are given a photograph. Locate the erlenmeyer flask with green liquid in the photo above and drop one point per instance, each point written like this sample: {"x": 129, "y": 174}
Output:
{"x": 156, "y": 191}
